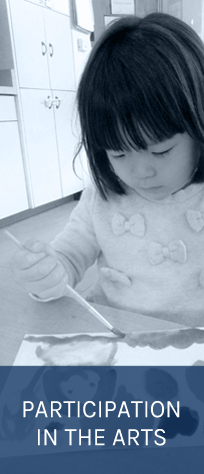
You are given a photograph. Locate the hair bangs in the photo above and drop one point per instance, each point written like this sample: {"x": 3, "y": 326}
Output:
{"x": 131, "y": 118}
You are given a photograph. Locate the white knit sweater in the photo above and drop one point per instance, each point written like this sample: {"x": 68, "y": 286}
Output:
{"x": 150, "y": 254}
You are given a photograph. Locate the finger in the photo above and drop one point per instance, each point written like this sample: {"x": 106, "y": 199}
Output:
{"x": 37, "y": 246}
{"x": 55, "y": 292}
{"x": 55, "y": 277}
{"x": 41, "y": 270}
{"x": 25, "y": 259}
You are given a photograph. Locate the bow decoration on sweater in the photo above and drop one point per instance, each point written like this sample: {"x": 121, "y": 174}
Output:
{"x": 135, "y": 225}
{"x": 195, "y": 219}
{"x": 176, "y": 251}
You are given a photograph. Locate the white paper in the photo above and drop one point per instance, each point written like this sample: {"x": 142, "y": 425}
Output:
{"x": 122, "y": 7}
{"x": 105, "y": 349}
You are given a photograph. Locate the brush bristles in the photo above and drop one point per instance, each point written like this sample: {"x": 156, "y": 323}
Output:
{"x": 118, "y": 333}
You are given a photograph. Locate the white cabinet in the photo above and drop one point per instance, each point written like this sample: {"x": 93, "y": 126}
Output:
{"x": 45, "y": 50}
{"x": 45, "y": 65}
{"x": 43, "y": 46}
{"x": 30, "y": 44}
{"x": 59, "y": 51}
{"x": 62, "y": 6}
{"x": 41, "y": 147}
{"x": 51, "y": 144}
{"x": 13, "y": 196}
{"x": 7, "y": 108}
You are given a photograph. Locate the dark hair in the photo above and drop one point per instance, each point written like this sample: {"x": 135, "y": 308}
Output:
{"x": 144, "y": 77}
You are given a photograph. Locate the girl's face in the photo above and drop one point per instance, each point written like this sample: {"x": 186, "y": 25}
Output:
{"x": 160, "y": 170}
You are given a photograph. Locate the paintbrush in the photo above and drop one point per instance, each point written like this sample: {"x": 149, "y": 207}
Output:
{"x": 71, "y": 292}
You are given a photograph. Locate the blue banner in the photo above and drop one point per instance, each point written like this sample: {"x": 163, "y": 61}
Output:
{"x": 101, "y": 419}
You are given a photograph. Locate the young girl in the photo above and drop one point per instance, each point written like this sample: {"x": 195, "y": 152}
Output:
{"x": 141, "y": 109}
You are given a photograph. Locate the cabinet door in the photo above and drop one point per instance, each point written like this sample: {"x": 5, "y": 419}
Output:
{"x": 60, "y": 53}
{"x": 13, "y": 196}
{"x": 67, "y": 141}
{"x": 38, "y": 122}
{"x": 30, "y": 44}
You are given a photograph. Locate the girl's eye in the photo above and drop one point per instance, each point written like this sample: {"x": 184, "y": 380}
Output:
{"x": 162, "y": 153}
{"x": 122, "y": 155}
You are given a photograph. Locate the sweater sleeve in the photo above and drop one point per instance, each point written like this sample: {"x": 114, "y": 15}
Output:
{"x": 76, "y": 245}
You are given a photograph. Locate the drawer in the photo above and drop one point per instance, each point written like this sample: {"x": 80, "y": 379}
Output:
{"x": 7, "y": 108}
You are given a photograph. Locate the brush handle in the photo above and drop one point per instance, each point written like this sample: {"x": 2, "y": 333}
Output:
{"x": 14, "y": 240}
{"x": 87, "y": 306}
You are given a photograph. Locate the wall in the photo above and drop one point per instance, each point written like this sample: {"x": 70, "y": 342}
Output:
{"x": 80, "y": 56}
{"x": 103, "y": 7}
{"x": 188, "y": 10}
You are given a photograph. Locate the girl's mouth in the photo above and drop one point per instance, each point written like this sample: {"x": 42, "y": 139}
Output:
{"x": 150, "y": 188}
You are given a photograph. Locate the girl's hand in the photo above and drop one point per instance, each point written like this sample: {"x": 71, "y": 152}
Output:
{"x": 38, "y": 269}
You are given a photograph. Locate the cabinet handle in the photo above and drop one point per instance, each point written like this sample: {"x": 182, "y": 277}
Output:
{"x": 57, "y": 101}
{"x": 44, "y": 48}
{"x": 48, "y": 102}
{"x": 51, "y": 50}
{"x": 48, "y": 4}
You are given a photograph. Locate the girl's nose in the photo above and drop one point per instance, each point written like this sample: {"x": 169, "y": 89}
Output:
{"x": 142, "y": 168}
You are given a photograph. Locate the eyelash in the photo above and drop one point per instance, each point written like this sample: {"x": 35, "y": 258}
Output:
{"x": 162, "y": 154}
{"x": 153, "y": 153}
